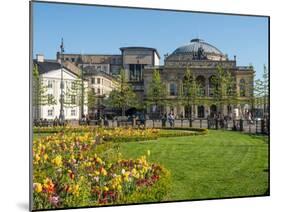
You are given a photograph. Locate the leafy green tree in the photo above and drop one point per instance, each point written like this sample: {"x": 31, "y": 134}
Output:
{"x": 123, "y": 96}
{"x": 91, "y": 99}
{"x": 224, "y": 88}
{"x": 189, "y": 93}
{"x": 261, "y": 90}
{"x": 40, "y": 96}
{"x": 157, "y": 92}
{"x": 76, "y": 94}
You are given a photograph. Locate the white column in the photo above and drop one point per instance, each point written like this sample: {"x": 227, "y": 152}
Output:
{"x": 207, "y": 111}
{"x": 196, "y": 111}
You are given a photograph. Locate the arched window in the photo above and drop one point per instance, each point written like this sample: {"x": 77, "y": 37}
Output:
{"x": 213, "y": 110}
{"x": 201, "y": 82}
{"x": 229, "y": 109}
{"x": 173, "y": 89}
{"x": 242, "y": 88}
{"x": 187, "y": 111}
{"x": 212, "y": 85}
{"x": 201, "y": 111}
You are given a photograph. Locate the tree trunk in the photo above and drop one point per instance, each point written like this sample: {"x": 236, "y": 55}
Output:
{"x": 123, "y": 111}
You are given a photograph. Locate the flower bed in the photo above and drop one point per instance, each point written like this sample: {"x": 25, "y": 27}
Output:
{"x": 129, "y": 134}
{"x": 72, "y": 170}
{"x": 125, "y": 134}
{"x": 65, "y": 129}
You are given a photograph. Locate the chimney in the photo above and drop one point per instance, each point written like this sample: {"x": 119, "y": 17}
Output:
{"x": 40, "y": 58}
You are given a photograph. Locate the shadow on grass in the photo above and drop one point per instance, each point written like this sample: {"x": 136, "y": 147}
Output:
{"x": 265, "y": 138}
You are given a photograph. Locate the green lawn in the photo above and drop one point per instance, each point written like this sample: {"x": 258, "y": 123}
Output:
{"x": 219, "y": 164}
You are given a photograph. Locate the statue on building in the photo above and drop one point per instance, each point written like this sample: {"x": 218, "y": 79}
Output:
{"x": 201, "y": 54}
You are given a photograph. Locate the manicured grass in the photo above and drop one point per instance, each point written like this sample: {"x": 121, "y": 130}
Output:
{"x": 219, "y": 164}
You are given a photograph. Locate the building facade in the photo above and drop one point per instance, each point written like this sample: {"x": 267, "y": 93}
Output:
{"x": 200, "y": 57}
{"x": 50, "y": 75}
{"x": 203, "y": 60}
{"x": 132, "y": 59}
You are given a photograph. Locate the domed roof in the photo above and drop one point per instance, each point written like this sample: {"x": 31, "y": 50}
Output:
{"x": 196, "y": 44}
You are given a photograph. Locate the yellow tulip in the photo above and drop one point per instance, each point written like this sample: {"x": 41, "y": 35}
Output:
{"x": 37, "y": 187}
{"x": 57, "y": 161}
{"x": 37, "y": 157}
{"x": 45, "y": 157}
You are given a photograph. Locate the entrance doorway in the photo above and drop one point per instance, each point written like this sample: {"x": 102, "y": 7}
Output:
{"x": 187, "y": 111}
{"x": 213, "y": 110}
{"x": 201, "y": 111}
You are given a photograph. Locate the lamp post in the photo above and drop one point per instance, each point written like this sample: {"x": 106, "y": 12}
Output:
{"x": 82, "y": 89}
{"x": 61, "y": 116}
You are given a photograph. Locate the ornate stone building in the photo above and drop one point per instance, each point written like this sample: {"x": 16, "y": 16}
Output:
{"x": 202, "y": 59}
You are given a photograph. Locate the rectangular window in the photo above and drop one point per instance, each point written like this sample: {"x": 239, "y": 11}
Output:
{"x": 98, "y": 90}
{"x": 50, "y": 84}
{"x": 173, "y": 89}
{"x": 73, "y": 112}
{"x": 132, "y": 72}
{"x": 73, "y": 85}
{"x": 135, "y": 71}
{"x": 93, "y": 81}
{"x": 73, "y": 59}
{"x": 98, "y": 80}
{"x": 73, "y": 99}
{"x": 50, "y": 98}
{"x": 50, "y": 112}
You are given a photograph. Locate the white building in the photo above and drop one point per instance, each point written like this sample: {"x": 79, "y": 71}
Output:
{"x": 101, "y": 83}
{"x": 50, "y": 73}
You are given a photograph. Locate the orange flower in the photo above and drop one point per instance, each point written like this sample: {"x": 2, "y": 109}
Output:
{"x": 49, "y": 186}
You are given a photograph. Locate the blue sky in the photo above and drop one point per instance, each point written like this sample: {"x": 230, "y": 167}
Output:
{"x": 103, "y": 30}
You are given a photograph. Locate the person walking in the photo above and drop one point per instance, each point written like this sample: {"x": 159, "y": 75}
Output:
{"x": 164, "y": 119}
{"x": 173, "y": 120}
{"x": 170, "y": 120}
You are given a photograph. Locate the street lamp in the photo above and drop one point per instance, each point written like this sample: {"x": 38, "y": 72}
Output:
{"x": 82, "y": 93}
{"x": 61, "y": 116}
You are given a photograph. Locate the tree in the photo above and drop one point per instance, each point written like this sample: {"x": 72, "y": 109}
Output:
{"x": 76, "y": 94}
{"x": 40, "y": 96}
{"x": 224, "y": 88}
{"x": 189, "y": 93}
{"x": 157, "y": 92}
{"x": 123, "y": 96}
{"x": 91, "y": 97}
{"x": 261, "y": 90}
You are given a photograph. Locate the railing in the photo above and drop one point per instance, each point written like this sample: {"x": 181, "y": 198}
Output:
{"x": 260, "y": 126}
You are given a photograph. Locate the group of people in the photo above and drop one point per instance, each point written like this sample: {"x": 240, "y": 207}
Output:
{"x": 170, "y": 118}
{"x": 46, "y": 123}
{"x": 218, "y": 119}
